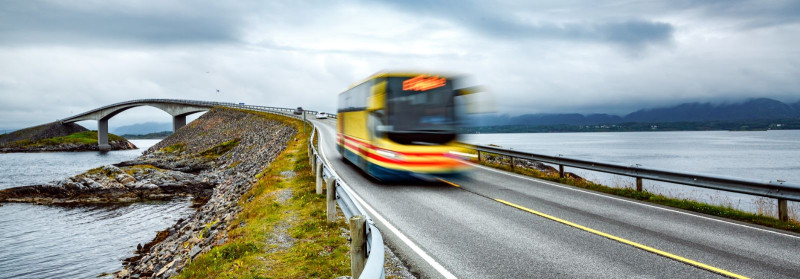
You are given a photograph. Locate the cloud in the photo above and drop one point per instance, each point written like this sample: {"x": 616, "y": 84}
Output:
{"x": 487, "y": 19}
{"x": 58, "y": 58}
{"x": 93, "y": 22}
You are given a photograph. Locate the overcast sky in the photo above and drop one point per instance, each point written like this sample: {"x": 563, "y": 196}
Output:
{"x": 59, "y": 58}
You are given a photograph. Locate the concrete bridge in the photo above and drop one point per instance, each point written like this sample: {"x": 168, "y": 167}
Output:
{"x": 179, "y": 109}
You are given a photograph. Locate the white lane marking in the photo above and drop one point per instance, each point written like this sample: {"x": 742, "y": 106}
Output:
{"x": 633, "y": 202}
{"x": 427, "y": 258}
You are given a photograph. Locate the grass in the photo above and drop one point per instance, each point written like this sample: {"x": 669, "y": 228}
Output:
{"x": 219, "y": 149}
{"x": 84, "y": 138}
{"x": 102, "y": 171}
{"x": 130, "y": 170}
{"x": 317, "y": 249}
{"x": 175, "y": 148}
{"x": 686, "y": 204}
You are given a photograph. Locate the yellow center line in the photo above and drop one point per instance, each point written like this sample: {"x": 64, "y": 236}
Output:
{"x": 448, "y": 182}
{"x": 628, "y": 242}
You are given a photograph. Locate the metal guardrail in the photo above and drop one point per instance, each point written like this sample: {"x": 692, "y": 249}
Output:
{"x": 778, "y": 189}
{"x": 343, "y": 196}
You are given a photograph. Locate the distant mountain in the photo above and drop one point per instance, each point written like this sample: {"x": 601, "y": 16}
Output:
{"x": 753, "y": 109}
{"x": 142, "y": 128}
{"x": 156, "y": 135}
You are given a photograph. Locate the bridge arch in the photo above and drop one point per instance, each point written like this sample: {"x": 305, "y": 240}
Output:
{"x": 179, "y": 109}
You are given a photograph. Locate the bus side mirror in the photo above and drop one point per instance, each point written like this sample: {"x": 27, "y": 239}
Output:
{"x": 476, "y": 103}
{"x": 469, "y": 90}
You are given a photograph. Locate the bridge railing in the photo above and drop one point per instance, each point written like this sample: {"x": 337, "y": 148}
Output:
{"x": 779, "y": 190}
{"x": 284, "y": 111}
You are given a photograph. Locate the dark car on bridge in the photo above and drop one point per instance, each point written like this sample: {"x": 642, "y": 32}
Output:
{"x": 298, "y": 111}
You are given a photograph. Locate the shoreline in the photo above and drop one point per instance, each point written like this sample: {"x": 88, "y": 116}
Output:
{"x": 115, "y": 145}
{"x": 213, "y": 159}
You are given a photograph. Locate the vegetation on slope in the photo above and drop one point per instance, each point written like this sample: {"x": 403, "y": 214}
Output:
{"x": 44, "y": 131}
{"x": 282, "y": 230}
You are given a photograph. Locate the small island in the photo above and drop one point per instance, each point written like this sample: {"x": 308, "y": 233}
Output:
{"x": 54, "y": 137}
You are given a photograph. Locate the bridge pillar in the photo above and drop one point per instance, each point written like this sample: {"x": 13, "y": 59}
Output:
{"x": 178, "y": 121}
{"x": 102, "y": 135}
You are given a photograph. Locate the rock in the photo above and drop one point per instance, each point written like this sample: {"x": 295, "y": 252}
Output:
{"x": 195, "y": 250}
{"x": 148, "y": 186}
{"x": 126, "y": 179}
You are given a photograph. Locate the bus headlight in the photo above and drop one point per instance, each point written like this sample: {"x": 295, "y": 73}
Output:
{"x": 389, "y": 154}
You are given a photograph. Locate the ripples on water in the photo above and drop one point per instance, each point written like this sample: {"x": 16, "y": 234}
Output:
{"x": 761, "y": 156}
{"x": 39, "y": 241}
{"x": 81, "y": 242}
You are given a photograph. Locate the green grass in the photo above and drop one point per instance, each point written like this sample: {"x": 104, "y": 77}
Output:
{"x": 687, "y": 204}
{"x": 102, "y": 171}
{"x": 220, "y": 149}
{"x": 130, "y": 170}
{"x": 318, "y": 249}
{"x": 175, "y": 148}
{"x": 85, "y": 138}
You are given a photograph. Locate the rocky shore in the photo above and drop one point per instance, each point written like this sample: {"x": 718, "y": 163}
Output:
{"x": 230, "y": 145}
{"x": 69, "y": 147}
{"x": 215, "y": 159}
{"x": 111, "y": 184}
{"x": 53, "y": 137}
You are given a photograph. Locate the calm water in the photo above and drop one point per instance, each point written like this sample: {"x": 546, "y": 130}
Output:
{"x": 73, "y": 242}
{"x": 762, "y": 155}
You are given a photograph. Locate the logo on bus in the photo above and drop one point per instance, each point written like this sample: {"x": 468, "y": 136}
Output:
{"x": 423, "y": 83}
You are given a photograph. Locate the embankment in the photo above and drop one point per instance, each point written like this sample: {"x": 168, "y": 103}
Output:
{"x": 53, "y": 137}
{"x": 214, "y": 158}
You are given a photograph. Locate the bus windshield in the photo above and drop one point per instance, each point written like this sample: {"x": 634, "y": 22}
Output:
{"x": 420, "y": 110}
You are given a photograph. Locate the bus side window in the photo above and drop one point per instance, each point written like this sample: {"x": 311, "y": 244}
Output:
{"x": 375, "y": 119}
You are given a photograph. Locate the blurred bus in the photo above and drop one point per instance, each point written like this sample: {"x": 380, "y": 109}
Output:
{"x": 401, "y": 126}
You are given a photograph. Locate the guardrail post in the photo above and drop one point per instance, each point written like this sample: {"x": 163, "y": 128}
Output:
{"x": 319, "y": 177}
{"x": 783, "y": 210}
{"x": 479, "y": 156}
{"x": 639, "y": 184}
{"x": 561, "y": 171}
{"x": 310, "y": 155}
{"x": 330, "y": 199}
{"x": 358, "y": 245}
{"x": 512, "y": 164}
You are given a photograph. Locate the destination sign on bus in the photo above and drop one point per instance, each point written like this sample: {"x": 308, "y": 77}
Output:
{"x": 423, "y": 83}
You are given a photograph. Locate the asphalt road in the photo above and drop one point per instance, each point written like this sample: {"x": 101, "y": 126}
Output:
{"x": 470, "y": 234}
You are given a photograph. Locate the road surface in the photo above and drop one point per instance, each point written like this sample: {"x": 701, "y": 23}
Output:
{"x": 500, "y": 225}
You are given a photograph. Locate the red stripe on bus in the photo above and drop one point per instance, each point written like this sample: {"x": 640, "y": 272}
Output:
{"x": 370, "y": 146}
{"x": 400, "y": 162}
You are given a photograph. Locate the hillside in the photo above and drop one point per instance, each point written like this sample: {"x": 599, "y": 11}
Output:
{"x": 49, "y": 130}
{"x": 57, "y": 137}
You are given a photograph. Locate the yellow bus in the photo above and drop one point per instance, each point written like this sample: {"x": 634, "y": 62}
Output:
{"x": 401, "y": 126}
